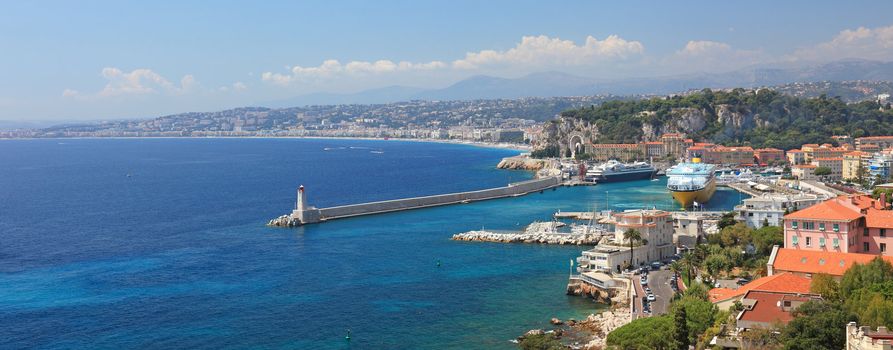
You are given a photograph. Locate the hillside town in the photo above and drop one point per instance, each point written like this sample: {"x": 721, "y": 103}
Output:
{"x": 809, "y": 250}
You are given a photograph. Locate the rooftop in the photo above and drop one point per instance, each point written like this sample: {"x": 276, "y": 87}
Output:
{"x": 815, "y": 261}
{"x": 842, "y": 208}
{"x": 767, "y": 306}
{"x": 783, "y": 282}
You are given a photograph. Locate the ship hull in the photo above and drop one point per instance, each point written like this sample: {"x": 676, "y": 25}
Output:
{"x": 640, "y": 175}
{"x": 687, "y": 198}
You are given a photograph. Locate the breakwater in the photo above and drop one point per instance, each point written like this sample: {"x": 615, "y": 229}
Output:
{"x": 305, "y": 214}
{"x": 524, "y": 237}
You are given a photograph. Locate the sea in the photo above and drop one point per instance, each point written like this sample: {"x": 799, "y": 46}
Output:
{"x": 162, "y": 244}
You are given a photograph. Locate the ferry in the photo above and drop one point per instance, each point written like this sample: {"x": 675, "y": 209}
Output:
{"x": 691, "y": 183}
{"x": 614, "y": 171}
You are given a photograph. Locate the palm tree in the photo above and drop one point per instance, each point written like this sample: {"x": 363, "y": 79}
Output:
{"x": 633, "y": 235}
{"x": 686, "y": 262}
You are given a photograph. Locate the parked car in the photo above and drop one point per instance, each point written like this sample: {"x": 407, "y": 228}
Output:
{"x": 643, "y": 280}
{"x": 743, "y": 281}
{"x": 647, "y": 290}
{"x": 651, "y": 297}
{"x": 656, "y": 265}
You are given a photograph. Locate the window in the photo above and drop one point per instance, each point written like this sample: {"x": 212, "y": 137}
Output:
{"x": 883, "y": 232}
{"x": 794, "y": 225}
{"x": 795, "y": 240}
{"x": 821, "y": 226}
{"x": 835, "y": 242}
{"x": 808, "y": 241}
{"x": 883, "y": 247}
{"x": 864, "y": 246}
{"x": 836, "y": 228}
{"x": 821, "y": 241}
{"x": 749, "y": 214}
{"x": 865, "y": 232}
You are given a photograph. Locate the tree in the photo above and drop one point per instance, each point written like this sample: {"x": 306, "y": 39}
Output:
{"x": 826, "y": 286}
{"x": 817, "y": 325}
{"x": 764, "y": 238}
{"x": 633, "y": 235}
{"x": 728, "y": 219}
{"x": 760, "y": 339}
{"x": 859, "y": 276}
{"x": 700, "y": 314}
{"x": 822, "y": 171}
{"x": 644, "y": 333}
{"x": 680, "y": 329}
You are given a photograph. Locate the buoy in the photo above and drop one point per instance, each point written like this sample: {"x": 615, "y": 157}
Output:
{"x": 438, "y": 262}
{"x": 347, "y": 337}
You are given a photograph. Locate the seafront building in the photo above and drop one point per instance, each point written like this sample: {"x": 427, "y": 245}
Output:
{"x": 848, "y": 224}
{"x": 804, "y": 171}
{"x": 796, "y": 157}
{"x": 767, "y": 156}
{"x": 770, "y": 208}
{"x": 655, "y": 227}
{"x": 833, "y": 163}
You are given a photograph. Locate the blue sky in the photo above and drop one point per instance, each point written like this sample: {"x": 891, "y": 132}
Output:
{"x": 93, "y": 60}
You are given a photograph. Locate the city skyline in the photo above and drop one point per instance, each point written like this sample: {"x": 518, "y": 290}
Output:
{"x": 106, "y": 60}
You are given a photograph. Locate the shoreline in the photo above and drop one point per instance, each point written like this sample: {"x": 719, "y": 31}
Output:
{"x": 512, "y": 146}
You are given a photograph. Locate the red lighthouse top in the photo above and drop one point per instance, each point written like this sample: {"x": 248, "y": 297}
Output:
{"x": 301, "y": 188}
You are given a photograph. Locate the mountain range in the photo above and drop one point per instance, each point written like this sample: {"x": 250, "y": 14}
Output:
{"x": 551, "y": 84}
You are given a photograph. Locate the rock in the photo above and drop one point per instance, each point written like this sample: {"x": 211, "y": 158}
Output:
{"x": 532, "y": 332}
{"x": 571, "y": 322}
{"x": 556, "y": 322}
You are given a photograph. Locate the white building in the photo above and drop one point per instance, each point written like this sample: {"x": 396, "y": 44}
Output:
{"x": 864, "y": 338}
{"x": 772, "y": 207}
{"x": 656, "y": 229}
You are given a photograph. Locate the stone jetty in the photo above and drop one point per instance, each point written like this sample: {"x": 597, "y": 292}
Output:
{"x": 538, "y": 232}
{"x": 284, "y": 221}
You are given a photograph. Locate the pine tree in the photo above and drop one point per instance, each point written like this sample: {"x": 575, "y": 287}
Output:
{"x": 680, "y": 329}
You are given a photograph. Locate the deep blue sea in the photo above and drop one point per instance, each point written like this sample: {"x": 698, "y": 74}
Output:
{"x": 161, "y": 243}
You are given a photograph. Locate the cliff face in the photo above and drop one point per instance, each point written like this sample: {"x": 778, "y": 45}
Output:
{"x": 566, "y": 133}
{"x": 728, "y": 121}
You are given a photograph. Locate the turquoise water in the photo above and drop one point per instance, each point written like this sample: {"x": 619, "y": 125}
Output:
{"x": 176, "y": 254}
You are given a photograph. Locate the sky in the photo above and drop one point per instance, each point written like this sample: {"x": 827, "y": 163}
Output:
{"x": 96, "y": 60}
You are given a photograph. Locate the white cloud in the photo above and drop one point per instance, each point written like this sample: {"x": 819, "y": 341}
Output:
{"x": 533, "y": 51}
{"x": 711, "y": 56}
{"x": 867, "y": 43}
{"x": 137, "y": 82}
{"x": 333, "y": 68}
{"x": 237, "y": 86}
{"x": 544, "y": 50}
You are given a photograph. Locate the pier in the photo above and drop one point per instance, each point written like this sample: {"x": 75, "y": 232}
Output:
{"x": 306, "y": 214}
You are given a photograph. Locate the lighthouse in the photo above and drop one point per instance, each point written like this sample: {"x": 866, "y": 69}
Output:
{"x": 304, "y": 213}
{"x": 301, "y": 204}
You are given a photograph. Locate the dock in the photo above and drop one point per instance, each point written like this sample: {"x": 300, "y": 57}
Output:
{"x": 305, "y": 214}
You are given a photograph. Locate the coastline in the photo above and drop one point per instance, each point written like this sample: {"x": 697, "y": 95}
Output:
{"x": 499, "y": 145}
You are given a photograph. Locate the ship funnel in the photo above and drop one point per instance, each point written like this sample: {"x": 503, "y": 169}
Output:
{"x": 696, "y": 160}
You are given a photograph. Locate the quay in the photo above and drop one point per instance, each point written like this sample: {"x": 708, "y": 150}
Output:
{"x": 306, "y": 214}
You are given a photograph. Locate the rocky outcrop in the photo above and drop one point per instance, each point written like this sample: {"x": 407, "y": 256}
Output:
{"x": 600, "y": 325}
{"x": 284, "y": 221}
{"x": 522, "y": 163}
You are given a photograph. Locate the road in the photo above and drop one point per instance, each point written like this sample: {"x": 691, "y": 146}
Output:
{"x": 659, "y": 282}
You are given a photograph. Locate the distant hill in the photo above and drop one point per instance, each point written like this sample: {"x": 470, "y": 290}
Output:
{"x": 553, "y": 84}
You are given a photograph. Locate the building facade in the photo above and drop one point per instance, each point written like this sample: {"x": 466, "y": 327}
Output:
{"x": 771, "y": 208}
{"x": 655, "y": 226}
{"x": 847, "y": 224}
{"x": 865, "y": 338}
{"x": 878, "y": 142}
{"x": 833, "y": 163}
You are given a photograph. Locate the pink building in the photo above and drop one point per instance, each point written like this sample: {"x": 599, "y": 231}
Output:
{"x": 847, "y": 224}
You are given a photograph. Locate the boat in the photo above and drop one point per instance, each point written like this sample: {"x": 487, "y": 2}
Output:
{"x": 615, "y": 171}
{"x": 691, "y": 182}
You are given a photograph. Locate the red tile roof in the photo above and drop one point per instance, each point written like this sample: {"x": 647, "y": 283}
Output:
{"x": 815, "y": 261}
{"x": 767, "y": 308}
{"x": 879, "y": 218}
{"x": 842, "y": 208}
{"x": 875, "y": 138}
{"x": 783, "y": 282}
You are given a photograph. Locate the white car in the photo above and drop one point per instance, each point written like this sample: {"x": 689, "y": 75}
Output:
{"x": 651, "y": 297}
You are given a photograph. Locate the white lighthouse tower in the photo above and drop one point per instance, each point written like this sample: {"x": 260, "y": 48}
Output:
{"x": 304, "y": 213}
